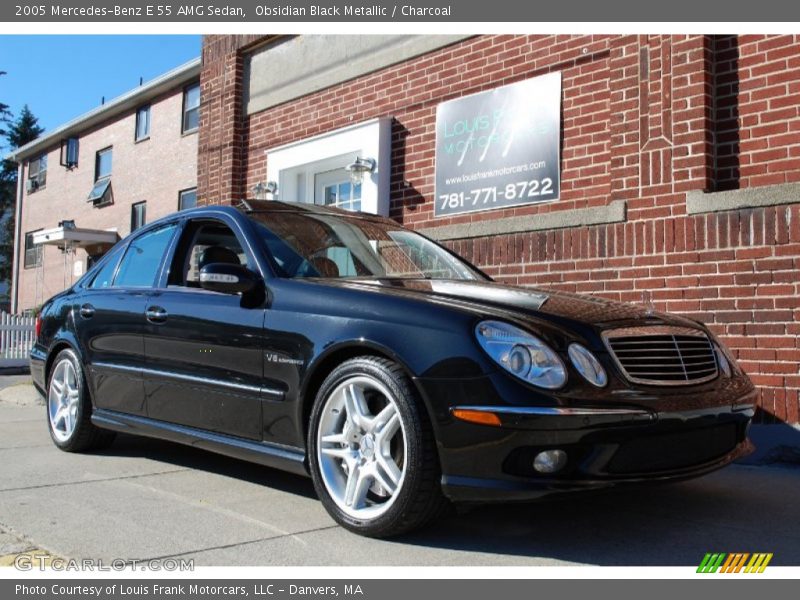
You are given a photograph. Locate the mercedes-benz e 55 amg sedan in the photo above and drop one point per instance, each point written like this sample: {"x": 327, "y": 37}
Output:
{"x": 396, "y": 374}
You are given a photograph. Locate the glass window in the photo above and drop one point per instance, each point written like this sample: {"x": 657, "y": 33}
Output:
{"x": 33, "y": 254}
{"x": 204, "y": 243}
{"x": 105, "y": 275}
{"x": 102, "y": 164}
{"x": 334, "y": 188}
{"x": 187, "y": 199}
{"x": 191, "y": 108}
{"x": 327, "y": 245}
{"x": 143, "y": 123}
{"x": 69, "y": 152}
{"x": 138, "y": 215}
{"x": 143, "y": 258}
{"x": 343, "y": 195}
{"x": 37, "y": 173}
{"x": 101, "y": 192}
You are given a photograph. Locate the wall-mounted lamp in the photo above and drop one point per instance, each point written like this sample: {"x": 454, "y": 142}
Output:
{"x": 262, "y": 190}
{"x": 358, "y": 167}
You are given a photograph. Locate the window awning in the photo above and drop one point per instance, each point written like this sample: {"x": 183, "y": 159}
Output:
{"x": 75, "y": 237}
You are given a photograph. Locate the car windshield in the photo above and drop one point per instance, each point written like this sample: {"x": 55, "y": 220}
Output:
{"x": 331, "y": 246}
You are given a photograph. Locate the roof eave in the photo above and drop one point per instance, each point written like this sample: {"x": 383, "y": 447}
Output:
{"x": 178, "y": 76}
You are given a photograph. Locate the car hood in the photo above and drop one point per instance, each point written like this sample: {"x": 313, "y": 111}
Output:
{"x": 543, "y": 303}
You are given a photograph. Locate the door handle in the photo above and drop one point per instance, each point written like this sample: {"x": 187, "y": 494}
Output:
{"x": 156, "y": 314}
{"x": 87, "y": 311}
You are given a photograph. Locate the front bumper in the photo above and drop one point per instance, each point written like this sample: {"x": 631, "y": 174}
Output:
{"x": 605, "y": 445}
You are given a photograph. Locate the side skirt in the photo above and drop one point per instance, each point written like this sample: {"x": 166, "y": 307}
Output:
{"x": 271, "y": 455}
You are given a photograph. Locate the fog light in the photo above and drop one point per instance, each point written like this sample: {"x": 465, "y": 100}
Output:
{"x": 550, "y": 461}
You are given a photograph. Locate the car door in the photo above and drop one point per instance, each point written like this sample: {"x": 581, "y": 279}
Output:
{"x": 110, "y": 321}
{"x": 203, "y": 348}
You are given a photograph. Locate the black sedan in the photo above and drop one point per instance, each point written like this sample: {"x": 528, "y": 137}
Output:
{"x": 397, "y": 375}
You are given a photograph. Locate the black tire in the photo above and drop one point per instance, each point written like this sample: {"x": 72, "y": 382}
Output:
{"x": 85, "y": 435}
{"x": 419, "y": 499}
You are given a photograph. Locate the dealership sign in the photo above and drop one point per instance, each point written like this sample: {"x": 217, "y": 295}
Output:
{"x": 499, "y": 148}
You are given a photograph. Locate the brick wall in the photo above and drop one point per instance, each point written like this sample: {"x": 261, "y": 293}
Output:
{"x": 646, "y": 119}
{"x": 222, "y": 136}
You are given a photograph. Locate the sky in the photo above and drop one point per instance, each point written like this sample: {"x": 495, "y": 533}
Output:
{"x": 60, "y": 77}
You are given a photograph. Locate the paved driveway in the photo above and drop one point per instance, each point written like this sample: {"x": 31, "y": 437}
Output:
{"x": 145, "y": 499}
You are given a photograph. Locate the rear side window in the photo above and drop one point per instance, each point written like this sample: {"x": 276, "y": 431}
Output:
{"x": 105, "y": 275}
{"x": 143, "y": 259}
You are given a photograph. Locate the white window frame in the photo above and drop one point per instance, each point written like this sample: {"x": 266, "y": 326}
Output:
{"x": 188, "y": 109}
{"x": 336, "y": 177}
{"x": 186, "y": 192}
{"x": 294, "y": 166}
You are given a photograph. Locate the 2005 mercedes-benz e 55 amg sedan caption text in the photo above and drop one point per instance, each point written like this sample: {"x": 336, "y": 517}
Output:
{"x": 396, "y": 374}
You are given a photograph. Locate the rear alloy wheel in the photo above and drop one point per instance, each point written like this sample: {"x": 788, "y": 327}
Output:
{"x": 372, "y": 454}
{"x": 69, "y": 409}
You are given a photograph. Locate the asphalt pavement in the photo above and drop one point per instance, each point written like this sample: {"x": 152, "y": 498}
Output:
{"x": 144, "y": 499}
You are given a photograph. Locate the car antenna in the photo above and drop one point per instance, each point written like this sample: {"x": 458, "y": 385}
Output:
{"x": 245, "y": 205}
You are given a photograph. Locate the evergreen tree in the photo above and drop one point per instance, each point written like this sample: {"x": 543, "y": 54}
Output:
{"x": 5, "y": 114}
{"x": 15, "y": 133}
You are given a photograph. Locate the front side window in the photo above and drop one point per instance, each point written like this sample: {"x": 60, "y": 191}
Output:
{"x": 331, "y": 246}
{"x": 204, "y": 243}
{"x": 191, "y": 108}
{"x": 143, "y": 123}
{"x": 138, "y": 215}
{"x": 102, "y": 165}
{"x": 37, "y": 173}
{"x": 33, "y": 253}
{"x": 187, "y": 199}
{"x": 142, "y": 260}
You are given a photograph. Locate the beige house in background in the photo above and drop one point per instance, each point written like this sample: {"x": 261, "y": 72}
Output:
{"x": 88, "y": 183}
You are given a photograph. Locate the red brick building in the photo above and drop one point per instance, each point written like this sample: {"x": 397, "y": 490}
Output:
{"x": 93, "y": 180}
{"x": 679, "y": 163}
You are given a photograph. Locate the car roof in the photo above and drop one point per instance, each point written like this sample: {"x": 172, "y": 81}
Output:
{"x": 248, "y": 208}
{"x": 278, "y": 206}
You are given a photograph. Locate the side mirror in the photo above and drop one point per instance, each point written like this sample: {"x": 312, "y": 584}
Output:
{"x": 227, "y": 278}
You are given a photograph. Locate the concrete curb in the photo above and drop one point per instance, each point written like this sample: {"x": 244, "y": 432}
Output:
{"x": 14, "y": 371}
{"x": 21, "y": 394}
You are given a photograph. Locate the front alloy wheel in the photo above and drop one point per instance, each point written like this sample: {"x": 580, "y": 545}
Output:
{"x": 361, "y": 447}
{"x": 371, "y": 450}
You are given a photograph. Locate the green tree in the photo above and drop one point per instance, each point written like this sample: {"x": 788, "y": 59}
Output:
{"x": 15, "y": 133}
{"x": 5, "y": 113}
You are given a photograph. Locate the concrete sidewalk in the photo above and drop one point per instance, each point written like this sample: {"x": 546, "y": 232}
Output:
{"x": 148, "y": 499}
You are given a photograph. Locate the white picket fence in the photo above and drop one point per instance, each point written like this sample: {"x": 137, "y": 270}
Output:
{"x": 17, "y": 335}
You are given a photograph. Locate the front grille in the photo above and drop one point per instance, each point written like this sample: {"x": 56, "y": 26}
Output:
{"x": 672, "y": 451}
{"x": 663, "y": 355}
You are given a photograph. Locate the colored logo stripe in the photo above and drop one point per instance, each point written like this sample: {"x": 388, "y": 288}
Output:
{"x": 734, "y": 562}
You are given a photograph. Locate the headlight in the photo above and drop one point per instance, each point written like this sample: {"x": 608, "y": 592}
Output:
{"x": 587, "y": 365}
{"x": 521, "y": 354}
{"x": 724, "y": 364}
{"x": 727, "y": 363}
